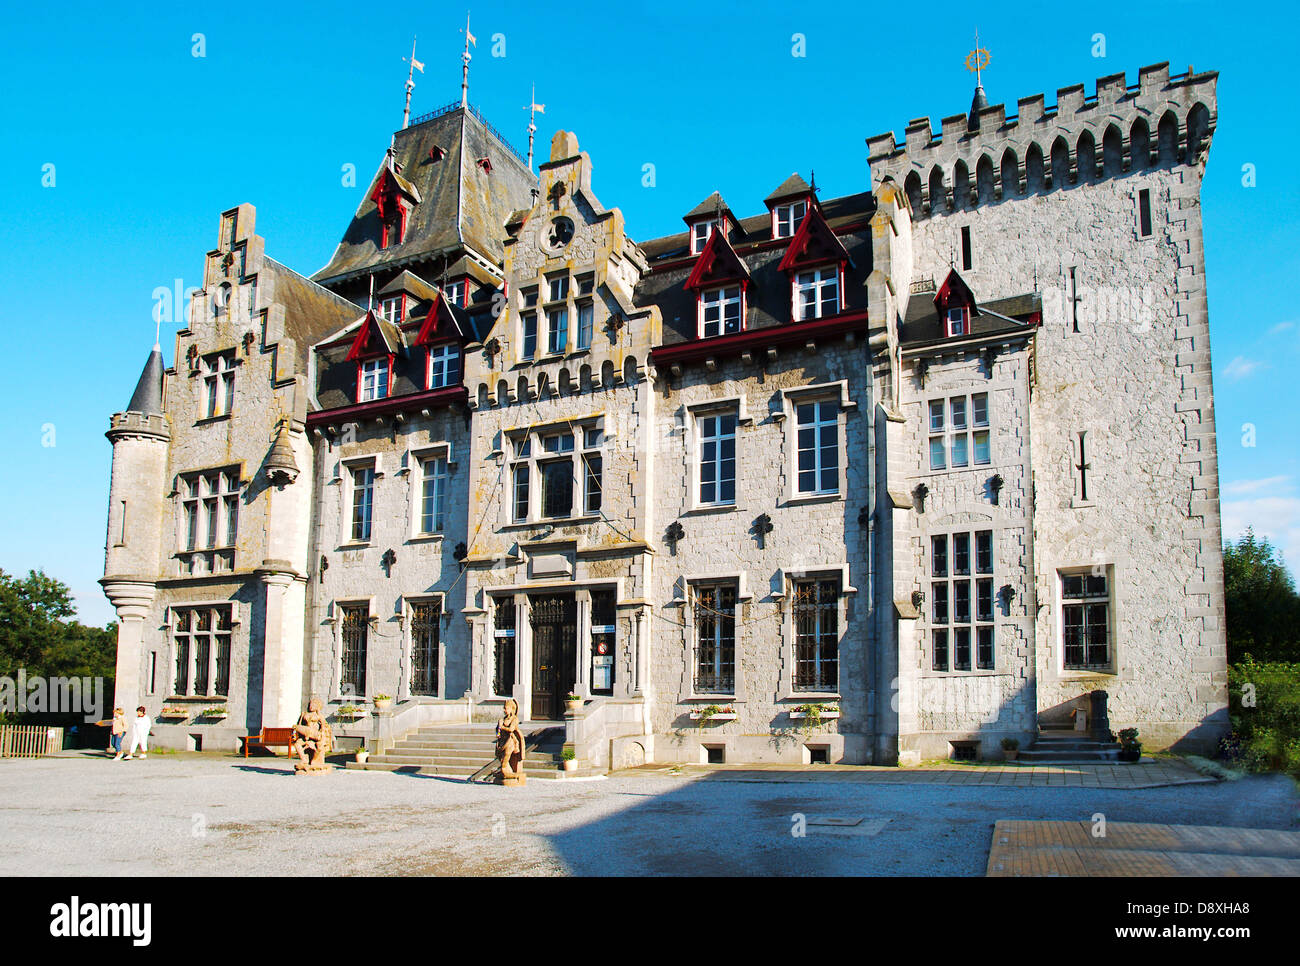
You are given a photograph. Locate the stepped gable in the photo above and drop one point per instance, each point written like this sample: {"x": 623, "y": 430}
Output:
{"x": 468, "y": 180}
{"x": 985, "y": 156}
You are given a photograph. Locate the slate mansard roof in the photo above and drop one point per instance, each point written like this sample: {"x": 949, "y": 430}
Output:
{"x": 768, "y": 297}
{"x": 463, "y": 202}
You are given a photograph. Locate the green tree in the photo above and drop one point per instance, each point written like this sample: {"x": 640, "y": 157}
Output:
{"x": 38, "y": 634}
{"x": 1263, "y": 610}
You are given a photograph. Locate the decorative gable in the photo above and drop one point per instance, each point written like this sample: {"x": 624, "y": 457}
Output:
{"x": 717, "y": 264}
{"x": 375, "y": 337}
{"x": 954, "y": 293}
{"x": 814, "y": 244}
{"x": 444, "y": 321}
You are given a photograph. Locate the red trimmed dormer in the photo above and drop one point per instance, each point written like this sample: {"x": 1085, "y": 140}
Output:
{"x": 373, "y": 350}
{"x": 442, "y": 334}
{"x": 394, "y": 197}
{"x": 709, "y": 215}
{"x": 815, "y": 262}
{"x": 720, "y": 282}
{"x": 955, "y": 304}
{"x": 788, "y": 205}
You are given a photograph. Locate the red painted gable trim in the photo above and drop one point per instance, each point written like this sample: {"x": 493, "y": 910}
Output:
{"x": 813, "y": 229}
{"x": 718, "y": 263}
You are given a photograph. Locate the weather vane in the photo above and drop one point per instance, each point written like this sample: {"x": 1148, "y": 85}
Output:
{"x": 977, "y": 60}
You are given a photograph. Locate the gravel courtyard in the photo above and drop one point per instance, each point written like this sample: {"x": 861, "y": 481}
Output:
{"x": 211, "y": 815}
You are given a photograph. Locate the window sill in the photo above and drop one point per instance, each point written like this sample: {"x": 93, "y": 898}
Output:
{"x": 978, "y": 467}
{"x": 980, "y": 673}
{"x": 719, "y": 698}
{"x": 354, "y": 545}
{"x": 1076, "y": 503}
{"x": 208, "y": 420}
{"x": 803, "y": 697}
{"x": 717, "y": 508}
{"x": 814, "y": 498}
{"x": 1077, "y": 674}
{"x": 426, "y": 538}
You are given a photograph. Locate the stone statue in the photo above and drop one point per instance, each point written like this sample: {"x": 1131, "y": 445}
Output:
{"x": 312, "y": 740}
{"x": 510, "y": 746}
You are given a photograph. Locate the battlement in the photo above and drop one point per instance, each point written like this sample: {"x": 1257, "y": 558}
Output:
{"x": 1159, "y": 121}
{"x": 138, "y": 424}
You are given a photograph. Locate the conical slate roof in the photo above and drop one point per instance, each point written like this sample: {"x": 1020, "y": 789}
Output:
{"x": 148, "y": 396}
{"x": 977, "y": 104}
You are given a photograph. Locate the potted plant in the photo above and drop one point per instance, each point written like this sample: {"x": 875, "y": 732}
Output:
{"x": 1010, "y": 748}
{"x": 362, "y": 754}
{"x": 714, "y": 712}
{"x": 349, "y": 712}
{"x": 383, "y": 702}
{"x": 570, "y": 759}
{"x": 217, "y": 713}
{"x": 573, "y": 703}
{"x": 174, "y": 712}
{"x": 1130, "y": 749}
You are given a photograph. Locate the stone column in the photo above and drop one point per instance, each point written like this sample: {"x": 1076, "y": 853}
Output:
{"x": 133, "y": 601}
{"x": 281, "y": 648}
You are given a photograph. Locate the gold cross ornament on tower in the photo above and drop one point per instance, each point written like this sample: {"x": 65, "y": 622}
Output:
{"x": 977, "y": 59}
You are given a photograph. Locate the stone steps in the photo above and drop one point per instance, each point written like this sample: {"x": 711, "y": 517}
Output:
{"x": 1063, "y": 745}
{"x": 459, "y": 751}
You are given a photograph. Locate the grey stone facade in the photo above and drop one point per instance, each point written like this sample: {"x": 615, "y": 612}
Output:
{"x": 1077, "y": 320}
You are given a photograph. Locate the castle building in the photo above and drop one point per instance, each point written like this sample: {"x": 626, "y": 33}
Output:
{"x": 867, "y": 479}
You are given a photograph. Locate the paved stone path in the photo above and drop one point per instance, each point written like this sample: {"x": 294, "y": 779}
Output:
{"x": 1140, "y": 849}
{"x": 1152, "y": 773}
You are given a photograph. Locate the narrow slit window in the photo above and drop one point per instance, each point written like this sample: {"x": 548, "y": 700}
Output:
{"x": 1144, "y": 213}
{"x": 965, "y": 248}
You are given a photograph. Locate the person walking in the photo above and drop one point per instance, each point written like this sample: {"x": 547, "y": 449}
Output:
{"x": 119, "y": 732}
{"x": 139, "y": 734}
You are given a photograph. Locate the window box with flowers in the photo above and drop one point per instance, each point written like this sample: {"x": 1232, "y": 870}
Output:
{"x": 215, "y": 713}
{"x": 714, "y": 712}
{"x": 814, "y": 712}
{"x": 174, "y": 713}
{"x": 350, "y": 712}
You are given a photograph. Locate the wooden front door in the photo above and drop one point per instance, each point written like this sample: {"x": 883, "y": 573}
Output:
{"x": 555, "y": 652}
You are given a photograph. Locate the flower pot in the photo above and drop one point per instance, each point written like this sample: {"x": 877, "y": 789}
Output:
{"x": 1130, "y": 754}
{"x": 573, "y": 707}
{"x": 362, "y": 756}
{"x": 383, "y": 704}
{"x": 571, "y": 764}
{"x": 1012, "y": 753}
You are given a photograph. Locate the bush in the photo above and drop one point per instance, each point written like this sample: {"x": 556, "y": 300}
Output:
{"x": 1264, "y": 704}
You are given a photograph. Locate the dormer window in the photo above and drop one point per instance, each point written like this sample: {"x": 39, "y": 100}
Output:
{"x": 700, "y": 232}
{"x": 372, "y": 379}
{"x": 444, "y": 365}
{"x": 456, "y": 292}
{"x": 956, "y": 321}
{"x": 787, "y": 218}
{"x": 817, "y": 293}
{"x": 394, "y": 228}
{"x": 392, "y": 308}
{"x": 721, "y": 310}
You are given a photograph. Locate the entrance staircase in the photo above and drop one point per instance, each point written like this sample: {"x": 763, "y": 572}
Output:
{"x": 1061, "y": 744}
{"x": 462, "y": 750}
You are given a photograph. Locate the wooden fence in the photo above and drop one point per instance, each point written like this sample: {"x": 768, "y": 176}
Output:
{"x": 28, "y": 741}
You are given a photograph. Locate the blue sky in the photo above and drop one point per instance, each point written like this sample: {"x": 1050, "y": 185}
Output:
{"x": 150, "y": 143}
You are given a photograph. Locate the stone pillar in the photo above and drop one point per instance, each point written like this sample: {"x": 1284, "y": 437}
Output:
{"x": 133, "y": 601}
{"x": 281, "y": 647}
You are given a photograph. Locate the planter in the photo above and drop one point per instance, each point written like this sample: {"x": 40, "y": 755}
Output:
{"x": 383, "y": 704}
{"x": 1130, "y": 754}
{"x": 726, "y": 716}
{"x": 350, "y": 715}
{"x": 173, "y": 715}
{"x": 571, "y": 764}
{"x": 573, "y": 707}
{"x": 221, "y": 716}
{"x": 824, "y": 716}
{"x": 1012, "y": 753}
{"x": 362, "y": 757}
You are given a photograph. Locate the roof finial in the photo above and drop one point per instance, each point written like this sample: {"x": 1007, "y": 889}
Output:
{"x": 157, "y": 332}
{"x": 410, "y": 83}
{"x": 976, "y": 61}
{"x": 812, "y": 173}
{"x": 370, "y": 307}
{"x": 465, "y": 58}
{"x": 533, "y": 109}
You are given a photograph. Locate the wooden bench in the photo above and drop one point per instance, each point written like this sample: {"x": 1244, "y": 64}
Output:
{"x": 270, "y": 737}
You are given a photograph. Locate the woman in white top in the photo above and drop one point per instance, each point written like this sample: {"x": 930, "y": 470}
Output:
{"x": 139, "y": 734}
